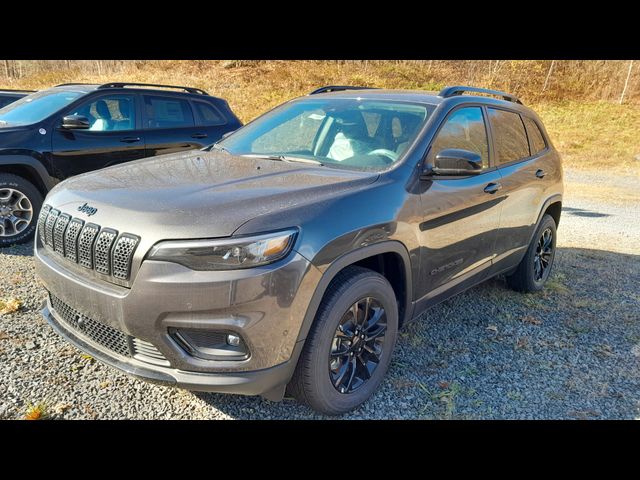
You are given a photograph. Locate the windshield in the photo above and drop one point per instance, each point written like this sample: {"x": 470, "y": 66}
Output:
{"x": 36, "y": 107}
{"x": 352, "y": 133}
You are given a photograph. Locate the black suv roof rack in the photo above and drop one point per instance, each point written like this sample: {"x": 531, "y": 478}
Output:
{"x": 75, "y": 83}
{"x": 15, "y": 90}
{"x": 338, "y": 88}
{"x": 447, "y": 92}
{"x": 129, "y": 84}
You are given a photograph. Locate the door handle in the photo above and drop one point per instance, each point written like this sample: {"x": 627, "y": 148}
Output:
{"x": 492, "y": 188}
{"x": 130, "y": 139}
{"x": 199, "y": 135}
{"x": 540, "y": 173}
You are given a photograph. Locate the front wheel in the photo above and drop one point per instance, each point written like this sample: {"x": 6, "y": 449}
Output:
{"x": 349, "y": 347}
{"x": 20, "y": 203}
{"x": 534, "y": 269}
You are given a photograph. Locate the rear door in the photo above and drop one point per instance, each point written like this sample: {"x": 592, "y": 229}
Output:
{"x": 114, "y": 135}
{"x": 211, "y": 121}
{"x": 170, "y": 126}
{"x": 521, "y": 158}
{"x": 461, "y": 214}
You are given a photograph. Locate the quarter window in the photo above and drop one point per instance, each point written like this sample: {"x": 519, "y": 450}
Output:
{"x": 510, "y": 138}
{"x": 208, "y": 114}
{"x": 166, "y": 112}
{"x": 465, "y": 130}
{"x": 535, "y": 136}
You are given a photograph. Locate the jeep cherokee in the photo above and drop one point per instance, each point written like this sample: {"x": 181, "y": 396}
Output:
{"x": 53, "y": 134}
{"x": 285, "y": 258}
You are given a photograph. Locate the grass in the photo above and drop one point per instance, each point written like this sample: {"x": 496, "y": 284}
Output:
{"x": 589, "y": 134}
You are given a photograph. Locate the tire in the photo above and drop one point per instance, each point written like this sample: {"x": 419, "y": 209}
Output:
{"x": 313, "y": 380}
{"x": 526, "y": 278}
{"x": 12, "y": 188}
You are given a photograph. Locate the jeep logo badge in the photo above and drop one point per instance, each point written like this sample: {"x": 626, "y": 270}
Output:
{"x": 87, "y": 209}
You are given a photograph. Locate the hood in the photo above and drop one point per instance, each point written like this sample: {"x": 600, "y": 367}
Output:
{"x": 196, "y": 194}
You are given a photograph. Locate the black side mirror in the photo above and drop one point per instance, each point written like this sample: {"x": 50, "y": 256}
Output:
{"x": 454, "y": 161}
{"x": 75, "y": 122}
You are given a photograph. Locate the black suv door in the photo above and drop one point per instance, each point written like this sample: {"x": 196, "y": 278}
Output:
{"x": 114, "y": 135}
{"x": 170, "y": 125}
{"x": 462, "y": 214}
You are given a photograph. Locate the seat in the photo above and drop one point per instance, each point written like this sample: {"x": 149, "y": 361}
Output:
{"x": 104, "y": 121}
{"x": 127, "y": 122}
{"x": 351, "y": 138}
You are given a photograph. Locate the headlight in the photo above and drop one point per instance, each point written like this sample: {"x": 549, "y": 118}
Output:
{"x": 226, "y": 253}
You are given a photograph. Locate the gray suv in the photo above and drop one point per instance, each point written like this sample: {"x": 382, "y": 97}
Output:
{"x": 284, "y": 258}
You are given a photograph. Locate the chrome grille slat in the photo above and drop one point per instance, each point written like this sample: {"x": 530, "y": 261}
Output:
{"x": 48, "y": 227}
{"x": 58, "y": 232}
{"x": 42, "y": 219}
{"x": 122, "y": 254}
{"x": 71, "y": 239}
{"x": 85, "y": 244}
{"x": 102, "y": 250}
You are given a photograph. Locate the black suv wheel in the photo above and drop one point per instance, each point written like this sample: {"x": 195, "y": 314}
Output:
{"x": 535, "y": 268}
{"x": 349, "y": 347}
{"x": 20, "y": 203}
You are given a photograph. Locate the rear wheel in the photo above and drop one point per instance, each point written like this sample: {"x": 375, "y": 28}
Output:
{"x": 349, "y": 347}
{"x": 20, "y": 203}
{"x": 535, "y": 268}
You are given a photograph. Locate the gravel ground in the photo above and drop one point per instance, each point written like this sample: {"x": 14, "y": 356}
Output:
{"x": 572, "y": 351}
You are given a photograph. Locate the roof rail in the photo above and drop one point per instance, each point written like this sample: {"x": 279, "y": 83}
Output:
{"x": 447, "y": 92}
{"x": 338, "y": 88}
{"x": 128, "y": 84}
{"x": 75, "y": 83}
{"x": 16, "y": 90}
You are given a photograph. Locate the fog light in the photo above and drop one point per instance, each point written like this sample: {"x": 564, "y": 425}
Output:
{"x": 211, "y": 344}
{"x": 233, "y": 340}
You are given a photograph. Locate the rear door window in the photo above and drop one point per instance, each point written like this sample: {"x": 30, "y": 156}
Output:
{"x": 509, "y": 136}
{"x": 167, "y": 112}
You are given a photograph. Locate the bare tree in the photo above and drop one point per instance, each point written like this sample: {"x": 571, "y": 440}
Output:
{"x": 546, "y": 80}
{"x": 626, "y": 82}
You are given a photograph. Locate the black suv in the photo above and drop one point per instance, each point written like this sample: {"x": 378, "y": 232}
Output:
{"x": 292, "y": 251}
{"x": 8, "y": 96}
{"x": 53, "y": 134}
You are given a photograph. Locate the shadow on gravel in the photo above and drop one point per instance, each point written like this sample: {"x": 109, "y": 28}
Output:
{"x": 581, "y": 212}
{"x": 24, "y": 250}
{"x": 571, "y": 351}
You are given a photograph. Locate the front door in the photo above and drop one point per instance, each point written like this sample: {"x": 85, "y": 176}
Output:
{"x": 113, "y": 137}
{"x": 461, "y": 214}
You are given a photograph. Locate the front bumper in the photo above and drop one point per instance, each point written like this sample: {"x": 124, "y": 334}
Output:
{"x": 265, "y": 306}
{"x": 244, "y": 383}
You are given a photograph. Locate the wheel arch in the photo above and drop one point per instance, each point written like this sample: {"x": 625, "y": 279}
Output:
{"x": 389, "y": 258}
{"x": 28, "y": 168}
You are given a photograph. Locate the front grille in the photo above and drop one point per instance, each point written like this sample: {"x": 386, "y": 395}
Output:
{"x": 93, "y": 247}
{"x": 106, "y": 336}
{"x": 102, "y": 334}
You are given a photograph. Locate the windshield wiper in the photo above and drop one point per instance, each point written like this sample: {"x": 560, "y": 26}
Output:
{"x": 286, "y": 158}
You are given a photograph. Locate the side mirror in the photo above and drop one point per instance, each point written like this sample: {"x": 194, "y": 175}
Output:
{"x": 75, "y": 122}
{"x": 454, "y": 161}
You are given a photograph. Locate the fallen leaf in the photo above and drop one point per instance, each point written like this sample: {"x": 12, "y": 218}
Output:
{"x": 9, "y": 306}
{"x": 60, "y": 408}
{"x": 493, "y": 328}
{"x": 442, "y": 384}
{"x": 531, "y": 320}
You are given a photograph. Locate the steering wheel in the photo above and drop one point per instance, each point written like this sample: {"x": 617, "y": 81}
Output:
{"x": 385, "y": 152}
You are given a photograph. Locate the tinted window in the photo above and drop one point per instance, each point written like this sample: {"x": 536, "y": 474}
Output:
{"x": 509, "y": 136}
{"x": 464, "y": 129}
{"x": 208, "y": 114}
{"x": 109, "y": 113}
{"x": 166, "y": 112}
{"x": 535, "y": 136}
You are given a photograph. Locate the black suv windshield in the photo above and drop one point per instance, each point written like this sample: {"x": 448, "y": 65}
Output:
{"x": 360, "y": 134}
{"x": 36, "y": 107}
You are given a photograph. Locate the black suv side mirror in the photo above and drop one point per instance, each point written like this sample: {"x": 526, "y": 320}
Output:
{"x": 454, "y": 161}
{"x": 75, "y": 122}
